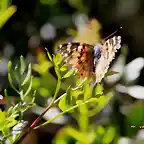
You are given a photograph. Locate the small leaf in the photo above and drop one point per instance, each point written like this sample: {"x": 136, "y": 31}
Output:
{"x": 76, "y": 93}
{"x": 11, "y": 84}
{"x": 50, "y": 57}
{"x": 44, "y": 92}
{"x": 10, "y": 70}
{"x": 109, "y": 73}
{"x": 28, "y": 76}
{"x": 29, "y": 88}
{"x": 57, "y": 59}
{"x": 2, "y": 115}
{"x": 4, "y": 16}
{"x": 11, "y": 123}
{"x": 98, "y": 89}
{"x": 79, "y": 102}
{"x": 87, "y": 90}
{"x": 64, "y": 67}
{"x": 109, "y": 135}
{"x": 68, "y": 74}
{"x": 69, "y": 98}
{"x": 63, "y": 105}
{"x": 100, "y": 130}
{"x": 17, "y": 73}
{"x": 22, "y": 65}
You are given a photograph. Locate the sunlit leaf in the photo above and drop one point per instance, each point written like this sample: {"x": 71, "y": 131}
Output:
{"x": 28, "y": 76}
{"x": 50, "y": 57}
{"x": 2, "y": 115}
{"x": 87, "y": 90}
{"x": 11, "y": 83}
{"x": 62, "y": 104}
{"x": 76, "y": 93}
{"x": 64, "y": 67}
{"x": 98, "y": 90}
{"x": 22, "y": 65}
{"x": 100, "y": 103}
{"x": 11, "y": 123}
{"x": 29, "y": 88}
{"x": 57, "y": 59}
{"x": 44, "y": 92}
{"x": 68, "y": 74}
{"x": 66, "y": 101}
{"x": 109, "y": 135}
{"x": 100, "y": 130}
{"x": 10, "y": 70}
{"x": 109, "y": 73}
{"x": 5, "y": 15}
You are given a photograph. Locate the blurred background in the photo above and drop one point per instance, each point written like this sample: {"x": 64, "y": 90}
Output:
{"x": 37, "y": 24}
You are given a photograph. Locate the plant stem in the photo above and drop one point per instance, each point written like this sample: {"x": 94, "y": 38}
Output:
{"x": 49, "y": 106}
{"x": 62, "y": 113}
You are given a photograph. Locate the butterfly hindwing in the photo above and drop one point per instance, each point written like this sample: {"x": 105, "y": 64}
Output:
{"x": 108, "y": 50}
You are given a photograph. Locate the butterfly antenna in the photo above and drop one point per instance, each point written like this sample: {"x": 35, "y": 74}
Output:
{"x": 112, "y": 34}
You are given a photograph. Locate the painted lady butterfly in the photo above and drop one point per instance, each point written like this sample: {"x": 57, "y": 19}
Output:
{"x": 89, "y": 60}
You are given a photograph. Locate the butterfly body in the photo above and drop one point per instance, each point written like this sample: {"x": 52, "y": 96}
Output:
{"x": 89, "y": 60}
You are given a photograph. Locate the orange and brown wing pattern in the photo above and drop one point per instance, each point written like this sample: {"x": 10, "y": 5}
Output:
{"x": 80, "y": 56}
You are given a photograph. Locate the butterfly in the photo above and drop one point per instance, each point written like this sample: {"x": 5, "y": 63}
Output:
{"x": 89, "y": 60}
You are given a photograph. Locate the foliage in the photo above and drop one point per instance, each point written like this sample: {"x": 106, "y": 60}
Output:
{"x": 15, "y": 111}
{"x": 5, "y": 12}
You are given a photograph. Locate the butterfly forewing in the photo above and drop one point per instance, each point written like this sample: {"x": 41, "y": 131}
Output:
{"x": 80, "y": 56}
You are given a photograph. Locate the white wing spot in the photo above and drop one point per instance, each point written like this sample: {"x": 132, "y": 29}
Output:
{"x": 79, "y": 48}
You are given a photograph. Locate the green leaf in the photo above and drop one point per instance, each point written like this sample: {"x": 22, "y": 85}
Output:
{"x": 109, "y": 73}
{"x": 17, "y": 74}
{"x": 57, "y": 59}
{"x": 98, "y": 90}
{"x": 10, "y": 70}
{"x": 28, "y": 76}
{"x": 22, "y": 65}
{"x": 75, "y": 93}
{"x": 79, "y": 102}
{"x": 109, "y": 135}
{"x": 50, "y": 57}
{"x": 68, "y": 74}
{"x": 101, "y": 102}
{"x": 11, "y": 84}
{"x": 44, "y": 92}
{"x": 11, "y": 123}
{"x": 87, "y": 90}
{"x": 29, "y": 88}
{"x": 100, "y": 130}
{"x": 2, "y": 115}
{"x": 65, "y": 101}
{"x": 68, "y": 96}
{"x": 64, "y": 67}
{"x": 5, "y": 15}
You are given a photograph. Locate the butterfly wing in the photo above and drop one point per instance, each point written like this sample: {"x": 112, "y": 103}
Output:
{"x": 108, "y": 50}
{"x": 80, "y": 56}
